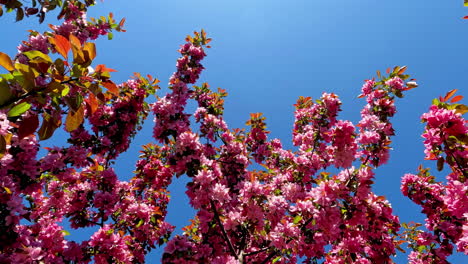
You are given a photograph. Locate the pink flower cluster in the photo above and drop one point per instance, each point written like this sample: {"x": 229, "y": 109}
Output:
{"x": 441, "y": 124}
{"x": 444, "y": 204}
{"x": 76, "y": 183}
{"x": 293, "y": 208}
{"x": 170, "y": 119}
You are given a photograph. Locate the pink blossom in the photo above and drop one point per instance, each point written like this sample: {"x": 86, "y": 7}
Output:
{"x": 395, "y": 83}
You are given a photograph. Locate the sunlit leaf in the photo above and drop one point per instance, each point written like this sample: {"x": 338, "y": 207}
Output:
{"x": 19, "y": 109}
{"x": 32, "y": 54}
{"x": 92, "y": 103}
{"x": 89, "y": 51}
{"x": 6, "y": 62}
{"x": 74, "y": 119}
{"x": 74, "y": 41}
{"x": 297, "y": 219}
{"x": 103, "y": 68}
{"x": 111, "y": 87}
{"x": 448, "y": 95}
{"x": 461, "y": 108}
{"x": 456, "y": 98}
{"x": 49, "y": 125}
{"x": 61, "y": 44}
{"x": 402, "y": 70}
{"x": 4, "y": 141}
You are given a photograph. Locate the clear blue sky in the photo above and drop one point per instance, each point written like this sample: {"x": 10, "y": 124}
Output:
{"x": 266, "y": 53}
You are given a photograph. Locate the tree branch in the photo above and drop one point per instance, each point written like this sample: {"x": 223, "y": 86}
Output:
{"x": 226, "y": 237}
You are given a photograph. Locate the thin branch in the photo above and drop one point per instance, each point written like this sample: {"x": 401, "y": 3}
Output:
{"x": 257, "y": 252}
{"x": 272, "y": 254}
{"x": 226, "y": 237}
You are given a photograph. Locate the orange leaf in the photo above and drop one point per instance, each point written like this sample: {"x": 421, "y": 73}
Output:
{"x": 74, "y": 119}
{"x": 89, "y": 50}
{"x": 6, "y": 62}
{"x": 111, "y": 87}
{"x": 62, "y": 45}
{"x": 75, "y": 41}
{"x": 456, "y": 98}
{"x": 92, "y": 103}
{"x": 402, "y": 70}
{"x": 448, "y": 95}
{"x": 388, "y": 70}
{"x": 103, "y": 68}
{"x": 122, "y": 22}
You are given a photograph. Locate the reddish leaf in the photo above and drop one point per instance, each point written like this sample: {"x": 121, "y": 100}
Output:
{"x": 103, "y": 68}
{"x": 122, "y": 22}
{"x": 402, "y": 70}
{"x": 28, "y": 126}
{"x": 456, "y": 98}
{"x": 92, "y": 103}
{"x": 111, "y": 87}
{"x": 448, "y": 95}
{"x": 465, "y": 17}
{"x": 61, "y": 44}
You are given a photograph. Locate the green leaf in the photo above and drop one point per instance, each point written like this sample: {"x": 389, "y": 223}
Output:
{"x": 19, "y": 109}
{"x": 35, "y": 53}
{"x": 140, "y": 223}
{"x": 276, "y": 259}
{"x": 297, "y": 219}
{"x": 5, "y": 91}
{"x": 66, "y": 233}
{"x": 421, "y": 248}
{"x": 110, "y": 35}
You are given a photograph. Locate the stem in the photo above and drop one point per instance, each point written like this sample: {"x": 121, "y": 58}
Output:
{"x": 272, "y": 254}
{"x": 226, "y": 237}
{"x": 257, "y": 252}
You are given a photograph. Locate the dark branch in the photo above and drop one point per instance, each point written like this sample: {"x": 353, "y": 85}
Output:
{"x": 226, "y": 237}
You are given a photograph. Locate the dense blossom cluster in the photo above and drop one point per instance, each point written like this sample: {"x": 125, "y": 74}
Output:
{"x": 75, "y": 183}
{"x": 445, "y": 204}
{"x": 294, "y": 208}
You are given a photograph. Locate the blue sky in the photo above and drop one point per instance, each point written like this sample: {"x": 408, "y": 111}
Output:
{"x": 267, "y": 53}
